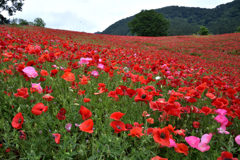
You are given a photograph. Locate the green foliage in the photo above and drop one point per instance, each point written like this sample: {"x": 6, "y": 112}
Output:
{"x": 11, "y": 6}
{"x": 149, "y": 23}
{"x": 203, "y": 31}
{"x": 39, "y": 22}
{"x": 23, "y": 21}
{"x": 238, "y": 29}
{"x": 187, "y": 20}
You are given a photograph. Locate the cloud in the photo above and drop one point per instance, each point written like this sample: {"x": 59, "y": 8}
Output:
{"x": 69, "y": 21}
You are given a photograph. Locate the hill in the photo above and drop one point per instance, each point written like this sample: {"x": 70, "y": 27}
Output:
{"x": 224, "y": 18}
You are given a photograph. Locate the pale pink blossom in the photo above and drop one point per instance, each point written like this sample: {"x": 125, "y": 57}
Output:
{"x": 221, "y": 111}
{"x": 84, "y": 60}
{"x": 192, "y": 141}
{"x": 237, "y": 139}
{"x": 68, "y": 127}
{"x": 222, "y": 130}
{"x": 54, "y": 66}
{"x": 100, "y": 66}
{"x": 37, "y": 86}
{"x": 206, "y": 138}
{"x": 30, "y": 71}
{"x": 203, "y": 147}
{"x": 94, "y": 73}
{"x": 172, "y": 143}
{"x": 221, "y": 119}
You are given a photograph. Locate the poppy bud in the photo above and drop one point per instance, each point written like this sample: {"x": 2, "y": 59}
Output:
{"x": 108, "y": 153}
{"x": 81, "y": 152}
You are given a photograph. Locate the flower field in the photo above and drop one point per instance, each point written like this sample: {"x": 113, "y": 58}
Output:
{"x": 75, "y": 95}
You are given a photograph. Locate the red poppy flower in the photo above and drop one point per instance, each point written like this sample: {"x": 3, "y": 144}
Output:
{"x": 136, "y": 132}
{"x": 83, "y": 80}
{"x": 22, "y": 92}
{"x": 150, "y": 120}
{"x": 130, "y": 92}
{"x": 68, "y": 76}
{"x": 61, "y": 114}
{"x": 17, "y": 121}
{"x": 181, "y": 148}
{"x": 158, "y": 158}
{"x": 44, "y": 73}
{"x": 42, "y": 79}
{"x": 118, "y": 126}
{"x": 7, "y": 150}
{"x": 210, "y": 95}
{"x": 86, "y": 100}
{"x": 81, "y": 92}
{"x": 196, "y": 124}
{"x": 117, "y": 116}
{"x": 128, "y": 127}
{"x": 143, "y": 96}
{"x": 47, "y": 89}
{"x": 226, "y": 155}
{"x": 22, "y": 135}
{"x": 119, "y": 91}
{"x": 113, "y": 94}
{"x": 31, "y": 63}
{"x": 86, "y": 113}
{"x": 206, "y": 110}
{"x": 87, "y": 126}
{"x": 39, "y": 108}
{"x": 161, "y": 136}
{"x": 47, "y": 97}
{"x": 57, "y": 137}
{"x": 54, "y": 72}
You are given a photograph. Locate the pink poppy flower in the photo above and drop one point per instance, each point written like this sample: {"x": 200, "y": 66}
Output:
{"x": 172, "y": 143}
{"x": 84, "y": 60}
{"x": 94, "y": 73}
{"x": 68, "y": 127}
{"x": 30, "y": 71}
{"x": 221, "y": 111}
{"x": 206, "y": 138}
{"x": 37, "y": 86}
{"x": 222, "y": 130}
{"x": 237, "y": 139}
{"x": 192, "y": 141}
{"x": 203, "y": 147}
{"x": 100, "y": 66}
{"x": 221, "y": 119}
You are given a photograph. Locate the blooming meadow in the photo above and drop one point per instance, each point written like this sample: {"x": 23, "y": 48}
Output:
{"x": 74, "y": 95}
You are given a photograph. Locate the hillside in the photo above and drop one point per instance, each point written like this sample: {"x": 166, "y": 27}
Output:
{"x": 224, "y": 18}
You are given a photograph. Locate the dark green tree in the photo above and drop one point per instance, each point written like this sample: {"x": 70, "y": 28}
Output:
{"x": 238, "y": 29}
{"x": 39, "y": 22}
{"x": 23, "y": 21}
{"x": 11, "y": 6}
{"x": 149, "y": 23}
{"x": 203, "y": 31}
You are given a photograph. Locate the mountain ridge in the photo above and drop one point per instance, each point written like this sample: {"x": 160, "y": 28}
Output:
{"x": 224, "y": 18}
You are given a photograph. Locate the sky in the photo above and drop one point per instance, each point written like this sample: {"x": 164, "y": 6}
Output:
{"x": 95, "y": 15}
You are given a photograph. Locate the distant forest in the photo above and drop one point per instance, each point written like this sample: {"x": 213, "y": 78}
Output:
{"x": 224, "y": 18}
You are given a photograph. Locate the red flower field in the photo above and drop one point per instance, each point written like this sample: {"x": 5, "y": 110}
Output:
{"x": 75, "y": 95}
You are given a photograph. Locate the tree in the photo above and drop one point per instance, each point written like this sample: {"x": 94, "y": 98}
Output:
{"x": 15, "y": 5}
{"x": 22, "y": 21}
{"x": 203, "y": 31}
{"x": 39, "y": 22}
{"x": 149, "y": 23}
{"x": 238, "y": 29}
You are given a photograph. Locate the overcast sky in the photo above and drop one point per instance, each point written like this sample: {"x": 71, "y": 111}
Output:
{"x": 96, "y": 15}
